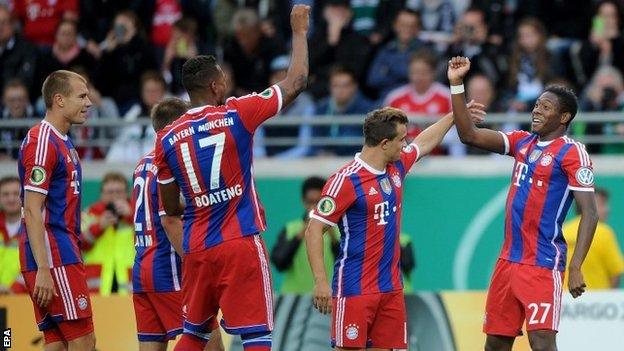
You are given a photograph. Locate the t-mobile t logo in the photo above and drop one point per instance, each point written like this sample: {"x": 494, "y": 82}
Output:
{"x": 520, "y": 172}
{"x": 381, "y": 212}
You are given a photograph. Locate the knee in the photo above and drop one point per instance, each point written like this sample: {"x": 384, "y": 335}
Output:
{"x": 498, "y": 344}
{"x": 542, "y": 343}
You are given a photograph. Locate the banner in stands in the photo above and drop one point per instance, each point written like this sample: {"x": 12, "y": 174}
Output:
{"x": 446, "y": 321}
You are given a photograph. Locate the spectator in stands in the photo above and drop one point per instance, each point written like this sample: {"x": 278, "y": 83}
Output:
{"x": 373, "y": 19}
{"x": 182, "y": 45}
{"x": 96, "y": 19}
{"x": 530, "y": 65}
{"x": 108, "y": 238}
{"x": 303, "y": 107}
{"x": 480, "y": 88}
{"x": 41, "y": 18}
{"x": 16, "y": 106}
{"x": 604, "y": 93}
{"x": 606, "y": 41}
{"x": 389, "y": 68}
{"x": 335, "y": 43}
{"x": 345, "y": 99}
{"x": 202, "y": 11}
{"x": 438, "y": 15}
{"x": 136, "y": 140}
{"x": 11, "y": 279}
{"x": 65, "y": 53}
{"x": 422, "y": 95}
{"x": 250, "y": 52}
{"x": 470, "y": 40}
{"x": 604, "y": 264}
{"x": 125, "y": 58}
{"x": 289, "y": 253}
{"x": 161, "y": 16}
{"x": 18, "y": 58}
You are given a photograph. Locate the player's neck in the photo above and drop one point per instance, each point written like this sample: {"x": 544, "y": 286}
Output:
{"x": 558, "y": 133}
{"x": 373, "y": 158}
{"x": 58, "y": 122}
{"x": 197, "y": 101}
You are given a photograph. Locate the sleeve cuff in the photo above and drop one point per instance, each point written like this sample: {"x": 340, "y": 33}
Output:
{"x": 36, "y": 189}
{"x": 166, "y": 181}
{"x": 417, "y": 151}
{"x": 162, "y": 213}
{"x": 506, "y": 140}
{"x": 321, "y": 219}
{"x": 576, "y": 188}
{"x": 278, "y": 92}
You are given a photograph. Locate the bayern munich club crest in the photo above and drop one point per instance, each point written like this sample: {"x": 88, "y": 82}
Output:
{"x": 385, "y": 186}
{"x": 352, "y": 331}
{"x": 546, "y": 159}
{"x": 83, "y": 303}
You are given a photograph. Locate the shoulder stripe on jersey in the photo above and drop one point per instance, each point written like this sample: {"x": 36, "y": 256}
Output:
{"x": 506, "y": 140}
{"x": 582, "y": 152}
{"x": 42, "y": 144}
{"x": 339, "y": 179}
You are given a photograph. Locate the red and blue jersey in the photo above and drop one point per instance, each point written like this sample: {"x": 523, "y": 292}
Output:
{"x": 157, "y": 267}
{"x": 48, "y": 164}
{"x": 208, "y": 153}
{"x": 544, "y": 176}
{"x": 366, "y": 203}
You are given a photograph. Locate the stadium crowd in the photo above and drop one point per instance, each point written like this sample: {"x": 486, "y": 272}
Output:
{"x": 364, "y": 54}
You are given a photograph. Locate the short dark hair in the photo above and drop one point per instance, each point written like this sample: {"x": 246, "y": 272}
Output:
{"x": 68, "y": 21}
{"x": 408, "y": 11}
{"x": 154, "y": 76}
{"x": 113, "y": 177}
{"x": 602, "y": 192}
{"x": 8, "y": 179}
{"x": 57, "y": 82}
{"x": 568, "y": 102}
{"x": 382, "y": 124}
{"x": 425, "y": 56}
{"x": 15, "y": 83}
{"x": 187, "y": 25}
{"x": 312, "y": 183}
{"x": 340, "y": 69}
{"x": 198, "y": 72}
{"x": 167, "y": 111}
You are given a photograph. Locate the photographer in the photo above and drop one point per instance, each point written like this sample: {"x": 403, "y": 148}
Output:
{"x": 605, "y": 93}
{"x": 108, "y": 238}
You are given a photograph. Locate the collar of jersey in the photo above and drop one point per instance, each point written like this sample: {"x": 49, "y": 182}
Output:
{"x": 367, "y": 166}
{"x": 59, "y": 134}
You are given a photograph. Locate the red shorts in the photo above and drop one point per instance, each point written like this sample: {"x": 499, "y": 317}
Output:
{"x": 158, "y": 315}
{"x": 233, "y": 276}
{"x": 365, "y": 321}
{"x": 68, "y": 315}
{"x": 520, "y": 292}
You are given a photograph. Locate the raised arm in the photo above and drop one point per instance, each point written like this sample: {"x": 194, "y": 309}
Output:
{"x": 469, "y": 134}
{"x": 589, "y": 218}
{"x": 297, "y": 76}
{"x": 322, "y": 298}
{"x": 44, "y": 285}
{"x": 431, "y": 137}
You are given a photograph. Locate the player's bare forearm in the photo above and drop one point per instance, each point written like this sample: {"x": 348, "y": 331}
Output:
{"x": 173, "y": 229}
{"x": 33, "y": 203}
{"x": 170, "y": 195}
{"x": 589, "y": 219}
{"x": 431, "y": 137}
{"x": 314, "y": 247}
{"x": 297, "y": 76}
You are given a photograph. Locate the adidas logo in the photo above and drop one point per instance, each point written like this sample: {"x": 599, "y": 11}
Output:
{"x": 372, "y": 191}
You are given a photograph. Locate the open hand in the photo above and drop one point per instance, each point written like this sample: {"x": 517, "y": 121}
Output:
{"x": 457, "y": 69}
{"x": 477, "y": 111}
{"x": 44, "y": 287}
